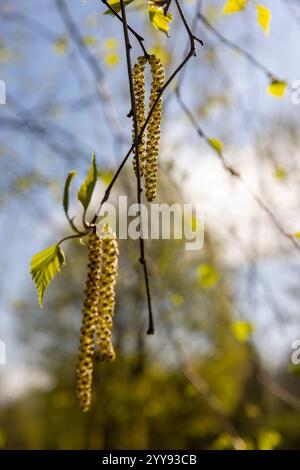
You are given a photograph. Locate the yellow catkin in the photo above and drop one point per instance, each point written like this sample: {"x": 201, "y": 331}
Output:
{"x": 89, "y": 317}
{"x": 138, "y": 75}
{"x": 153, "y": 128}
{"x": 106, "y": 305}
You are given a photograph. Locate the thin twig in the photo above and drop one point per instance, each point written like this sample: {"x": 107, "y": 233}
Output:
{"x": 279, "y": 391}
{"x": 139, "y": 38}
{"x": 188, "y": 56}
{"x": 102, "y": 87}
{"x": 70, "y": 237}
{"x": 252, "y": 60}
{"x": 142, "y": 260}
{"x": 201, "y": 385}
{"x": 236, "y": 174}
{"x": 167, "y": 7}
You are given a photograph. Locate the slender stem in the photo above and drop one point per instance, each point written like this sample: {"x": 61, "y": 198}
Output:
{"x": 238, "y": 49}
{"x": 83, "y": 234}
{"x": 142, "y": 260}
{"x": 138, "y": 136}
{"x": 72, "y": 225}
{"x": 167, "y": 6}
{"x": 188, "y": 56}
{"x": 237, "y": 175}
{"x": 102, "y": 88}
{"x": 139, "y": 38}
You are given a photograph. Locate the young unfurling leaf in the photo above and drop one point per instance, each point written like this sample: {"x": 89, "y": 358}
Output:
{"x": 116, "y": 5}
{"x": 277, "y": 88}
{"x": 61, "y": 45}
{"x": 44, "y": 266}
{"x": 216, "y": 144}
{"x": 242, "y": 330}
{"x": 86, "y": 189}
{"x": 67, "y": 190}
{"x": 159, "y": 20}
{"x": 208, "y": 276}
{"x": 66, "y": 198}
{"x": 234, "y": 6}
{"x": 263, "y": 18}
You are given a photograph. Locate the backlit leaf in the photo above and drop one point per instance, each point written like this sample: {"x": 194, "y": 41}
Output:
{"x": 106, "y": 177}
{"x": 61, "y": 45}
{"x": 111, "y": 59}
{"x": 111, "y": 43}
{"x": 280, "y": 173}
{"x": 86, "y": 189}
{"x": 277, "y": 88}
{"x": 90, "y": 40}
{"x": 208, "y": 276}
{"x": 116, "y": 5}
{"x": 269, "y": 440}
{"x": 176, "y": 299}
{"x": 234, "y": 6}
{"x": 44, "y": 266}
{"x": 264, "y": 17}
{"x": 242, "y": 330}
{"x": 67, "y": 190}
{"x": 158, "y": 19}
{"x": 216, "y": 144}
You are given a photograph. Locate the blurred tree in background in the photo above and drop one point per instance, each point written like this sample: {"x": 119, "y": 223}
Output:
{"x": 206, "y": 379}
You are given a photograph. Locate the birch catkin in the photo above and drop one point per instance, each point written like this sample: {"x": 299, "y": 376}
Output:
{"x": 106, "y": 305}
{"x": 89, "y": 316}
{"x": 153, "y": 128}
{"x": 138, "y": 75}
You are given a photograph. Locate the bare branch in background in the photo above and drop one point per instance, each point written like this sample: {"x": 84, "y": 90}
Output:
{"x": 101, "y": 83}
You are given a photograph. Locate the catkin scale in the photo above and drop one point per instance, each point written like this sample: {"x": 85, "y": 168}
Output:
{"x": 148, "y": 146}
{"x": 153, "y": 128}
{"x": 139, "y": 90}
{"x": 89, "y": 317}
{"x": 106, "y": 303}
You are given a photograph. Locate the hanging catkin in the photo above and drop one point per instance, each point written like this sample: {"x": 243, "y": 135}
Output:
{"x": 138, "y": 75}
{"x": 89, "y": 316}
{"x": 106, "y": 305}
{"x": 153, "y": 128}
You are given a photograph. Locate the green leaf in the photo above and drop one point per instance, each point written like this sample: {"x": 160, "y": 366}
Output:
{"x": 44, "y": 266}
{"x": 116, "y": 5}
{"x": 67, "y": 190}
{"x": 216, "y": 144}
{"x": 269, "y": 439}
{"x": 159, "y": 20}
{"x": 208, "y": 276}
{"x": 86, "y": 189}
{"x": 277, "y": 88}
{"x": 234, "y": 6}
{"x": 264, "y": 18}
{"x": 280, "y": 173}
{"x": 90, "y": 40}
{"x": 242, "y": 330}
{"x": 106, "y": 176}
{"x": 177, "y": 299}
{"x": 61, "y": 45}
